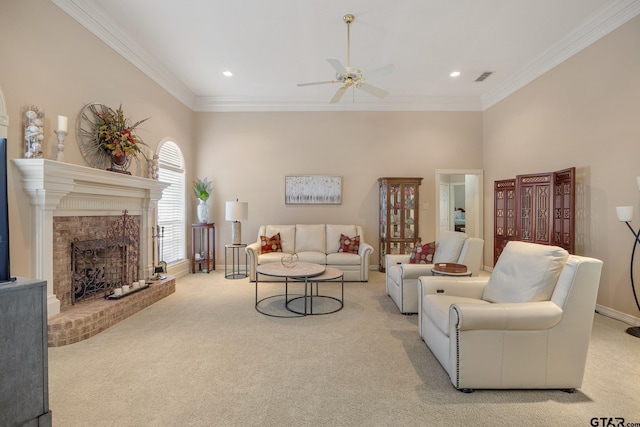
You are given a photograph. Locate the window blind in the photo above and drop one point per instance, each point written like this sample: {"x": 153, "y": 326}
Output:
{"x": 171, "y": 208}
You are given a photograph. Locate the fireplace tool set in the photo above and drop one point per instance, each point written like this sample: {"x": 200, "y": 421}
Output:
{"x": 157, "y": 235}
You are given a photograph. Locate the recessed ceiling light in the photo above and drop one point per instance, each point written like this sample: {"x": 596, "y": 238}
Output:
{"x": 227, "y": 73}
{"x": 454, "y": 73}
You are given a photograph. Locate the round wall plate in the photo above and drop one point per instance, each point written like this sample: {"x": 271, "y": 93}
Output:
{"x": 88, "y": 136}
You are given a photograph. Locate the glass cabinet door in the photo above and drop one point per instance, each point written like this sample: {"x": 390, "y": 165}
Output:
{"x": 398, "y": 216}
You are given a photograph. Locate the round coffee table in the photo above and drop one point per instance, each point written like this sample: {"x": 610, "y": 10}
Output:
{"x": 330, "y": 275}
{"x": 450, "y": 269}
{"x": 300, "y": 271}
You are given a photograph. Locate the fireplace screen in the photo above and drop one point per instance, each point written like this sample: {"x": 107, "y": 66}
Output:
{"x": 102, "y": 264}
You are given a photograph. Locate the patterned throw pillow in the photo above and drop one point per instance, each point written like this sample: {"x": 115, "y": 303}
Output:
{"x": 270, "y": 244}
{"x": 423, "y": 254}
{"x": 349, "y": 245}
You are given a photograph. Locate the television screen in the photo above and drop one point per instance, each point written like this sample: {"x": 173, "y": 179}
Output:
{"x": 5, "y": 276}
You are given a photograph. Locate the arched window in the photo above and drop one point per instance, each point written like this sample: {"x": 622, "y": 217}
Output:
{"x": 171, "y": 208}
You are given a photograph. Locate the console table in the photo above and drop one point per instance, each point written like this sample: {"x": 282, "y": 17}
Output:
{"x": 24, "y": 388}
{"x": 205, "y": 237}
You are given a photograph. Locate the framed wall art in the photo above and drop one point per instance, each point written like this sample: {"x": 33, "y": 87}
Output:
{"x": 313, "y": 190}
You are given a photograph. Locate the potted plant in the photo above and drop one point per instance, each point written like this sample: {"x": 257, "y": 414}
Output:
{"x": 116, "y": 137}
{"x": 202, "y": 190}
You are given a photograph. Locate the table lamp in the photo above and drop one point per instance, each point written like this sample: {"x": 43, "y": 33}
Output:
{"x": 236, "y": 212}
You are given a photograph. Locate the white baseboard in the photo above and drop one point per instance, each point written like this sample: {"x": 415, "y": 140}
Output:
{"x": 618, "y": 315}
{"x": 178, "y": 269}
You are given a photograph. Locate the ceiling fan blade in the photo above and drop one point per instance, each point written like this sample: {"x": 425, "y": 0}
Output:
{"x": 337, "y": 65}
{"x": 381, "y": 71}
{"x": 376, "y": 91}
{"x": 338, "y": 95}
{"x": 317, "y": 83}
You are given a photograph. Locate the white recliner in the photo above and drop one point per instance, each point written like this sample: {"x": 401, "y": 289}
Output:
{"x": 402, "y": 277}
{"x": 527, "y": 326}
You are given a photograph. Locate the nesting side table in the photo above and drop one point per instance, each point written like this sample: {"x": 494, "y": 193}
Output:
{"x": 235, "y": 273}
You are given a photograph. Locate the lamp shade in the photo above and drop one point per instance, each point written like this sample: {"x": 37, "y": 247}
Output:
{"x": 236, "y": 211}
{"x": 638, "y": 181}
{"x": 625, "y": 213}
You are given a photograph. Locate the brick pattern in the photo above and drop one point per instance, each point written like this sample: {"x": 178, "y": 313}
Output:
{"x": 66, "y": 229}
{"x": 86, "y": 319}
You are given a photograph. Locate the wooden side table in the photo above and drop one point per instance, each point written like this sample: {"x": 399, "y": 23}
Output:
{"x": 205, "y": 235}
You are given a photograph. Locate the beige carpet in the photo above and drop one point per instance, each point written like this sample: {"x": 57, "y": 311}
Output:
{"x": 205, "y": 357}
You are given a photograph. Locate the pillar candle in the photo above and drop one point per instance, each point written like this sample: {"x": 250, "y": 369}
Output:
{"x": 62, "y": 123}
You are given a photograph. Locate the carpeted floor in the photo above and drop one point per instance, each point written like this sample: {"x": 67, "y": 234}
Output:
{"x": 205, "y": 357}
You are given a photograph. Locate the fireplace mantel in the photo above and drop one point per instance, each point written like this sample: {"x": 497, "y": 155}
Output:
{"x": 62, "y": 189}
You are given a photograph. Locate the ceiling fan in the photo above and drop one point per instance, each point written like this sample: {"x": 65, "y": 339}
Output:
{"x": 350, "y": 76}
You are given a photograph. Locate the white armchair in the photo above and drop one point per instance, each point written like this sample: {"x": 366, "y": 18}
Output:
{"x": 402, "y": 277}
{"x": 527, "y": 326}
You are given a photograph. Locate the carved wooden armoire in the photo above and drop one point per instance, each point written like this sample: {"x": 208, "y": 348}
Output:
{"x": 537, "y": 208}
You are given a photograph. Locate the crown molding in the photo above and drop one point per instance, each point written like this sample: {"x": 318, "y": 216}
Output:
{"x": 391, "y": 103}
{"x": 109, "y": 31}
{"x": 597, "y": 27}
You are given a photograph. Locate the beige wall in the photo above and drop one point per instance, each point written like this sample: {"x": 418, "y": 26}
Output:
{"x": 583, "y": 113}
{"x": 247, "y": 156}
{"x": 49, "y": 60}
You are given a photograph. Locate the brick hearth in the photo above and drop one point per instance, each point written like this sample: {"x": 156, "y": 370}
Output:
{"x": 86, "y": 319}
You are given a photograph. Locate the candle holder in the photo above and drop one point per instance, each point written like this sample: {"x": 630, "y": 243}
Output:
{"x": 60, "y": 134}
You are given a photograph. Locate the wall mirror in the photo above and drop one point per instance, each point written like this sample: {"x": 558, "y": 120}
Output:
{"x": 459, "y": 201}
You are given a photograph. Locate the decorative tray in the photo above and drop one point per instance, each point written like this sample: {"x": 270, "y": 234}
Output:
{"x": 131, "y": 291}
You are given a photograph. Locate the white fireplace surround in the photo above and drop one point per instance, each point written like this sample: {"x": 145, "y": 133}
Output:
{"x": 63, "y": 189}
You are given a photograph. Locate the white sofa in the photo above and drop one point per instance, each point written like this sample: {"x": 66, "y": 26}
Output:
{"x": 402, "y": 277}
{"x": 317, "y": 243}
{"x": 527, "y": 326}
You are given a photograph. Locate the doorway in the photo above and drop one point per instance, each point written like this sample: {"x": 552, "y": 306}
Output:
{"x": 459, "y": 201}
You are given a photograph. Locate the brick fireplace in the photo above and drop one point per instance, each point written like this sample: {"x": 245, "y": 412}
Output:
{"x": 63, "y": 195}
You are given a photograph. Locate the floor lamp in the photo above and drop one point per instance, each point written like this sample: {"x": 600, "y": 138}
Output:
{"x": 236, "y": 212}
{"x": 625, "y": 213}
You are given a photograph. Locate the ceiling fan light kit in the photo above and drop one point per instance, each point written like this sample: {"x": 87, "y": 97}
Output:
{"x": 350, "y": 76}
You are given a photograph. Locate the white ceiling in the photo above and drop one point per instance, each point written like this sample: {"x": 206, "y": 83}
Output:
{"x": 270, "y": 46}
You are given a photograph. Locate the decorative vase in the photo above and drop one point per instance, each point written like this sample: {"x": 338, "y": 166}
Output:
{"x": 203, "y": 211}
{"x": 119, "y": 158}
{"x": 33, "y": 132}
{"x": 119, "y": 162}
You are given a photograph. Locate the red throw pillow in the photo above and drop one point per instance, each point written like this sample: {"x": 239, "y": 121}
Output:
{"x": 349, "y": 245}
{"x": 423, "y": 254}
{"x": 270, "y": 244}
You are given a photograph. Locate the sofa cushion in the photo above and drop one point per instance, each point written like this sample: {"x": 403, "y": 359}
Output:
{"x": 423, "y": 254}
{"x": 342, "y": 258}
{"x": 287, "y": 236}
{"x": 270, "y": 244}
{"x": 312, "y": 256}
{"x": 448, "y": 246}
{"x": 349, "y": 245}
{"x": 333, "y": 235}
{"x": 310, "y": 237}
{"x": 270, "y": 257}
{"x": 525, "y": 272}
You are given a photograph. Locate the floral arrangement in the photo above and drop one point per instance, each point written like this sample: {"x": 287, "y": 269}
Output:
{"x": 202, "y": 188}
{"x": 116, "y": 133}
